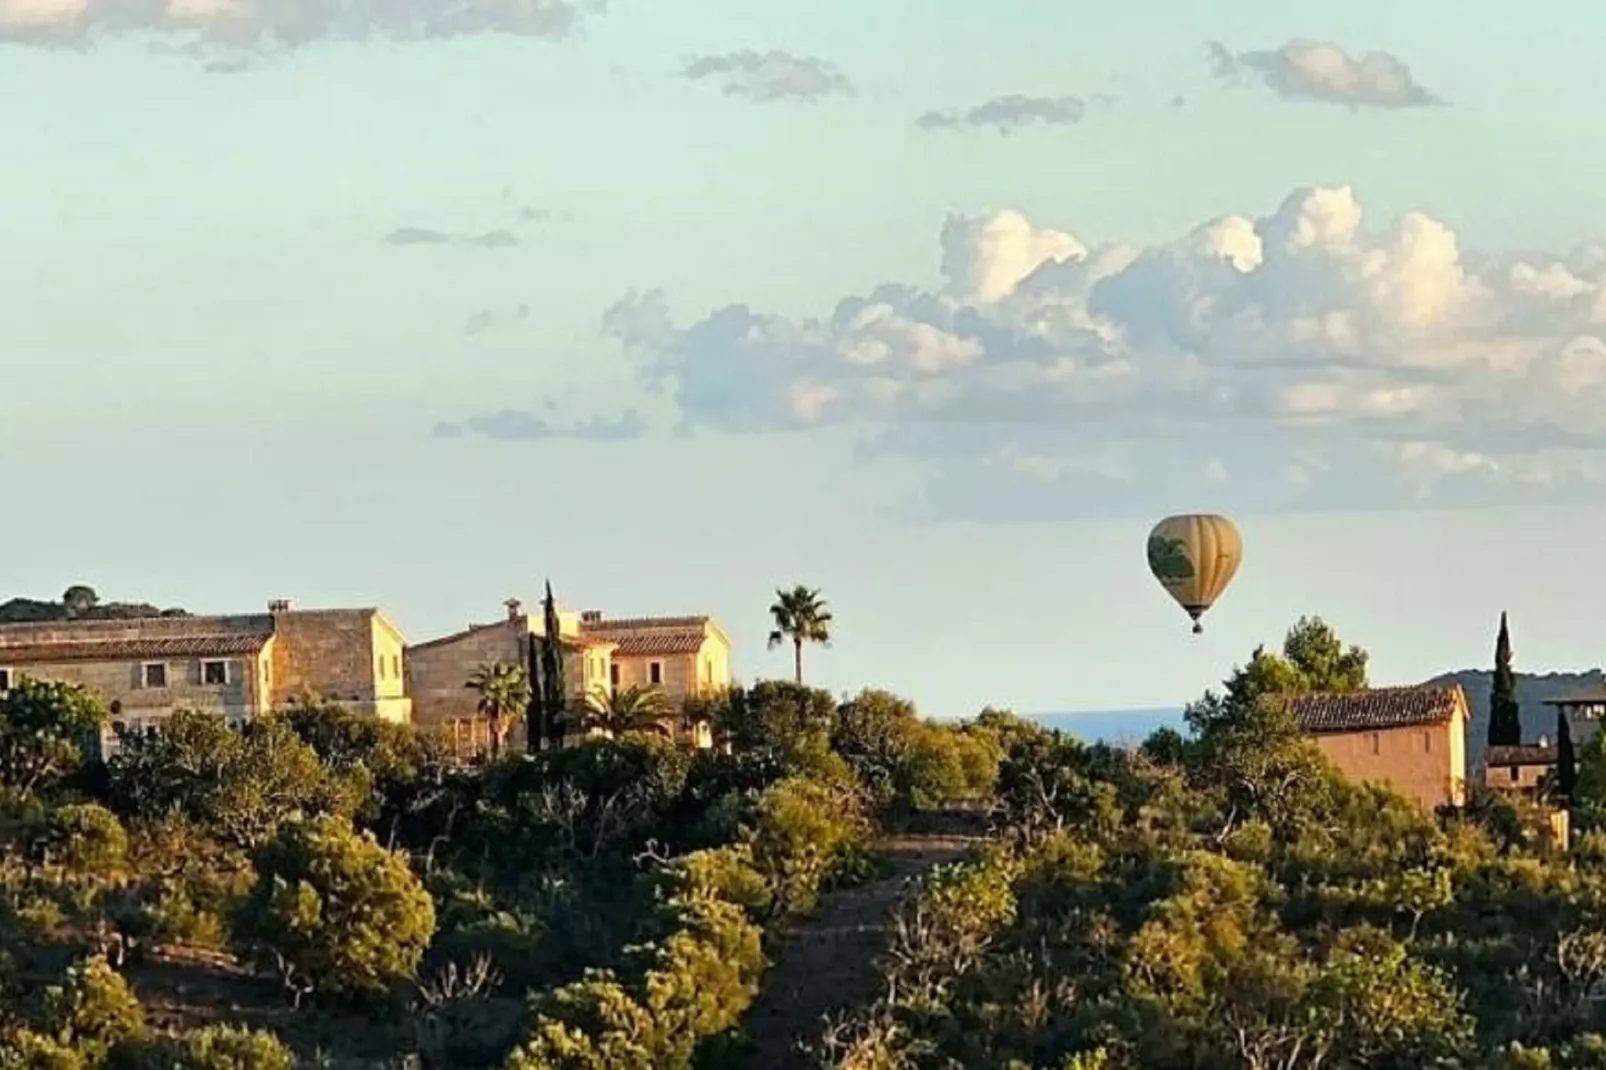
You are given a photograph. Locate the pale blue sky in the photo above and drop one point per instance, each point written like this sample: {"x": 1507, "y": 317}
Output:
{"x": 222, "y": 382}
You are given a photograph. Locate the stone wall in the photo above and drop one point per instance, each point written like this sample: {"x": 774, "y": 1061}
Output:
{"x": 121, "y": 685}
{"x": 1425, "y": 762}
{"x": 327, "y": 653}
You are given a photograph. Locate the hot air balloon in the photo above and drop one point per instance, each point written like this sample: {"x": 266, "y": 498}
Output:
{"x": 1194, "y": 556}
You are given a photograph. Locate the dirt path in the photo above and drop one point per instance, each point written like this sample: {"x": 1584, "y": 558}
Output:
{"x": 828, "y": 962}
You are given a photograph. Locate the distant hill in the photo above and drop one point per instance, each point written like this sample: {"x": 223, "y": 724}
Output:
{"x": 78, "y": 603}
{"x": 1532, "y": 691}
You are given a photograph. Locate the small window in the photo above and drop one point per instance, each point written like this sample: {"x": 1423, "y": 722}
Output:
{"x": 5, "y": 680}
{"x": 1427, "y": 742}
{"x": 1377, "y": 743}
{"x": 214, "y": 673}
{"x": 1516, "y": 774}
{"x": 119, "y": 729}
{"x": 395, "y": 666}
{"x": 655, "y": 672}
{"x": 379, "y": 666}
{"x": 154, "y": 674}
{"x": 613, "y": 674}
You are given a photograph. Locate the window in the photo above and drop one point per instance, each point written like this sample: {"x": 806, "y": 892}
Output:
{"x": 655, "y": 672}
{"x": 395, "y": 666}
{"x": 1516, "y": 774}
{"x": 5, "y": 680}
{"x": 154, "y": 674}
{"x": 613, "y": 674}
{"x": 379, "y": 666}
{"x": 214, "y": 673}
{"x": 1377, "y": 743}
{"x": 1427, "y": 742}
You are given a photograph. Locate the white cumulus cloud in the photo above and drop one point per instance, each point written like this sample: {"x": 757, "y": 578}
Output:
{"x": 234, "y": 29}
{"x": 1319, "y": 357}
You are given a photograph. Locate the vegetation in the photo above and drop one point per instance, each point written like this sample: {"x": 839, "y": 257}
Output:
{"x": 317, "y": 888}
{"x": 800, "y": 617}
{"x": 504, "y": 691}
{"x": 1505, "y": 716}
{"x": 78, "y": 602}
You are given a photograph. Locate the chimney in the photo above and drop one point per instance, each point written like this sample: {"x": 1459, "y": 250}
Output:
{"x": 279, "y": 605}
{"x": 591, "y": 616}
{"x": 515, "y": 608}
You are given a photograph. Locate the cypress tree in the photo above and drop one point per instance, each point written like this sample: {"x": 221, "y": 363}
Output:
{"x": 1505, "y": 720}
{"x": 1566, "y": 761}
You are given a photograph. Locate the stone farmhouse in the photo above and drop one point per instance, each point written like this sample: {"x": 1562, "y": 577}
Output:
{"x": 681, "y": 656}
{"x": 1410, "y": 738}
{"x": 238, "y": 666}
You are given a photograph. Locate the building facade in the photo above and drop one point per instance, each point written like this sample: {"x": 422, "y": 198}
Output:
{"x": 1412, "y": 739}
{"x": 1522, "y": 770}
{"x": 237, "y": 666}
{"x": 680, "y": 656}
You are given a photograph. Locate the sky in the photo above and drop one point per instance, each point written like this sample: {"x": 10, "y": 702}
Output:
{"x": 936, "y": 307}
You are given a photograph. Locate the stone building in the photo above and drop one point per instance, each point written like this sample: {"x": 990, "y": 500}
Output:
{"x": 1521, "y": 769}
{"x": 681, "y": 656}
{"x": 1411, "y": 738}
{"x": 238, "y": 666}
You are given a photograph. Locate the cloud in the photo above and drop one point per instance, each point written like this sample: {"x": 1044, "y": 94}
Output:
{"x": 209, "y": 28}
{"x": 518, "y": 425}
{"x": 770, "y": 76}
{"x": 487, "y": 319}
{"x": 1008, "y": 113}
{"x": 1320, "y": 70}
{"x": 490, "y": 239}
{"x": 1299, "y": 360}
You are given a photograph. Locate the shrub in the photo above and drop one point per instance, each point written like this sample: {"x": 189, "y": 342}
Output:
{"x": 334, "y": 912}
{"x": 226, "y": 1047}
{"x": 87, "y": 839}
{"x": 93, "y": 1010}
{"x": 803, "y": 830}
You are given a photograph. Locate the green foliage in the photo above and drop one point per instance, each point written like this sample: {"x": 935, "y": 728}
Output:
{"x": 800, "y": 616}
{"x": 224, "y": 1047}
{"x": 93, "y": 1011}
{"x": 46, "y": 730}
{"x": 87, "y": 838}
{"x": 504, "y": 692}
{"x": 237, "y": 784}
{"x": 1505, "y": 716}
{"x": 334, "y": 912}
{"x": 803, "y": 832}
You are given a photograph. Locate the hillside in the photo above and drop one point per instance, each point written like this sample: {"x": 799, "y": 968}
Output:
{"x": 1532, "y": 691}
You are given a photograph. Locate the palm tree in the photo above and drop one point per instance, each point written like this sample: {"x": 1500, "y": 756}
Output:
{"x": 504, "y": 689}
{"x": 800, "y": 615}
{"x": 629, "y": 709}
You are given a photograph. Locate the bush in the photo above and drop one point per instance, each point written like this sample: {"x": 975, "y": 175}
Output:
{"x": 87, "y": 839}
{"x": 93, "y": 1011}
{"x": 219, "y": 1047}
{"x": 803, "y": 832}
{"x": 334, "y": 912}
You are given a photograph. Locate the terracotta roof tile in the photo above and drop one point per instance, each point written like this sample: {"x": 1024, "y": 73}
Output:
{"x": 609, "y": 625}
{"x": 1374, "y": 708}
{"x": 1526, "y": 754}
{"x": 121, "y": 649}
{"x": 643, "y": 644}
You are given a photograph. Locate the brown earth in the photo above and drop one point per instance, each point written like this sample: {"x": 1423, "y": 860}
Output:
{"x": 827, "y": 963}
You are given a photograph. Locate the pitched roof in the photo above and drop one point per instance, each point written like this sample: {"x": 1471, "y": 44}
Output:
{"x": 125, "y": 649}
{"x": 1526, "y": 754}
{"x": 1374, "y": 708}
{"x": 649, "y": 636}
{"x": 638, "y": 624}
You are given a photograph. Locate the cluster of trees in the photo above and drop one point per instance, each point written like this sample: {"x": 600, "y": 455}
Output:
{"x": 600, "y": 905}
{"x": 1227, "y": 900}
{"x": 78, "y": 602}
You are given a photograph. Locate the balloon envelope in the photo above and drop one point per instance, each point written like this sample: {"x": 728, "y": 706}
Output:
{"x": 1194, "y": 556}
